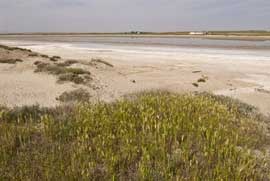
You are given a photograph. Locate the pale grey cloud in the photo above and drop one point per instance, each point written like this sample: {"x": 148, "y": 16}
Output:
{"x": 126, "y": 15}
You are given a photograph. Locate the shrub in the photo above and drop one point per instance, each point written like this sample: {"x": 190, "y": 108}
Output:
{"x": 201, "y": 80}
{"x": 67, "y": 63}
{"x": 56, "y": 57}
{"x": 14, "y": 48}
{"x": 33, "y": 55}
{"x": 71, "y": 78}
{"x": 76, "y": 75}
{"x": 150, "y": 136}
{"x": 44, "y": 56}
{"x": 195, "y": 84}
{"x": 78, "y": 95}
{"x": 53, "y": 59}
{"x": 10, "y": 61}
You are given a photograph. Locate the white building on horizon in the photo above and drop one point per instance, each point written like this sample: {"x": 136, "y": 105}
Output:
{"x": 198, "y": 33}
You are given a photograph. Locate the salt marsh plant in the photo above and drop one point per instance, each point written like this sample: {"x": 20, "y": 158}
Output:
{"x": 64, "y": 73}
{"x": 148, "y": 136}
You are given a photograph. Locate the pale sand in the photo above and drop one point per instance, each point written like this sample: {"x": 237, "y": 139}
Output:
{"x": 237, "y": 76}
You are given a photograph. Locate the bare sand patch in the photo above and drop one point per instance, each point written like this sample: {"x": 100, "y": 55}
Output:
{"x": 133, "y": 71}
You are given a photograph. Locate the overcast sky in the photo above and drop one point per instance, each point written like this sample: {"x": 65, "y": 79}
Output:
{"x": 127, "y": 15}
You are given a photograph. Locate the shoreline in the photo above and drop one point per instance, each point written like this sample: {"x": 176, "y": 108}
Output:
{"x": 133, "y": 41}
{"x": 217, "y": 37}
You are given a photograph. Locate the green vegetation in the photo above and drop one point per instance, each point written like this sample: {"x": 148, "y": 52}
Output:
{"x": 10, "y": 61}
{"x": 76, "y": 75}
{"x": 149, "y": 136}
{"x": 75, "y": 96}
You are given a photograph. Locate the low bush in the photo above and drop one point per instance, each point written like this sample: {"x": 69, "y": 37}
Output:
{"x": 76, "y": 75}
{"x": 14, "y": 48}
{"x": 75, "y": 96}
{"x": 33, "y": 55}
{"x": 10, "y": 61}
{"x": 67, "y": 63}
{"x": 149, "y": 136}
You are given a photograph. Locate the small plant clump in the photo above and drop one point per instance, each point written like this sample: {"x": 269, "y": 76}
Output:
{"x": 55, "y": 58}
{"x": 75, "y": 96}
{"x": 33, "y": 55}
{"x": 67, "y": 63}
{"x": 196, "y": 71}
{"x": 44, "y": 56}
{"x": 201, "y": 80}
{"x": 195, "y": 84}
{"x": 69, "y": 77}
{"x": 76, "y": 75}
{"x": 149, "y": 136}
{"x": 10, "y": 61}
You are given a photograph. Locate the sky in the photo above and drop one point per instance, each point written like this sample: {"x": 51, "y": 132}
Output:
{"x": 132, "y": 15}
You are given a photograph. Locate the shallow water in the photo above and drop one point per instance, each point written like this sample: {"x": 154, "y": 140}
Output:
{"x": 244, "y": 50}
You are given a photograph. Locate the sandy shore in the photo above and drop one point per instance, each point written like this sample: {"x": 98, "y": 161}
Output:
{"x": 245, "y": 77}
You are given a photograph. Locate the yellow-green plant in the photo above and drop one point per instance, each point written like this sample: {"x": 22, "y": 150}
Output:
{"x": 149, "y": 136}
